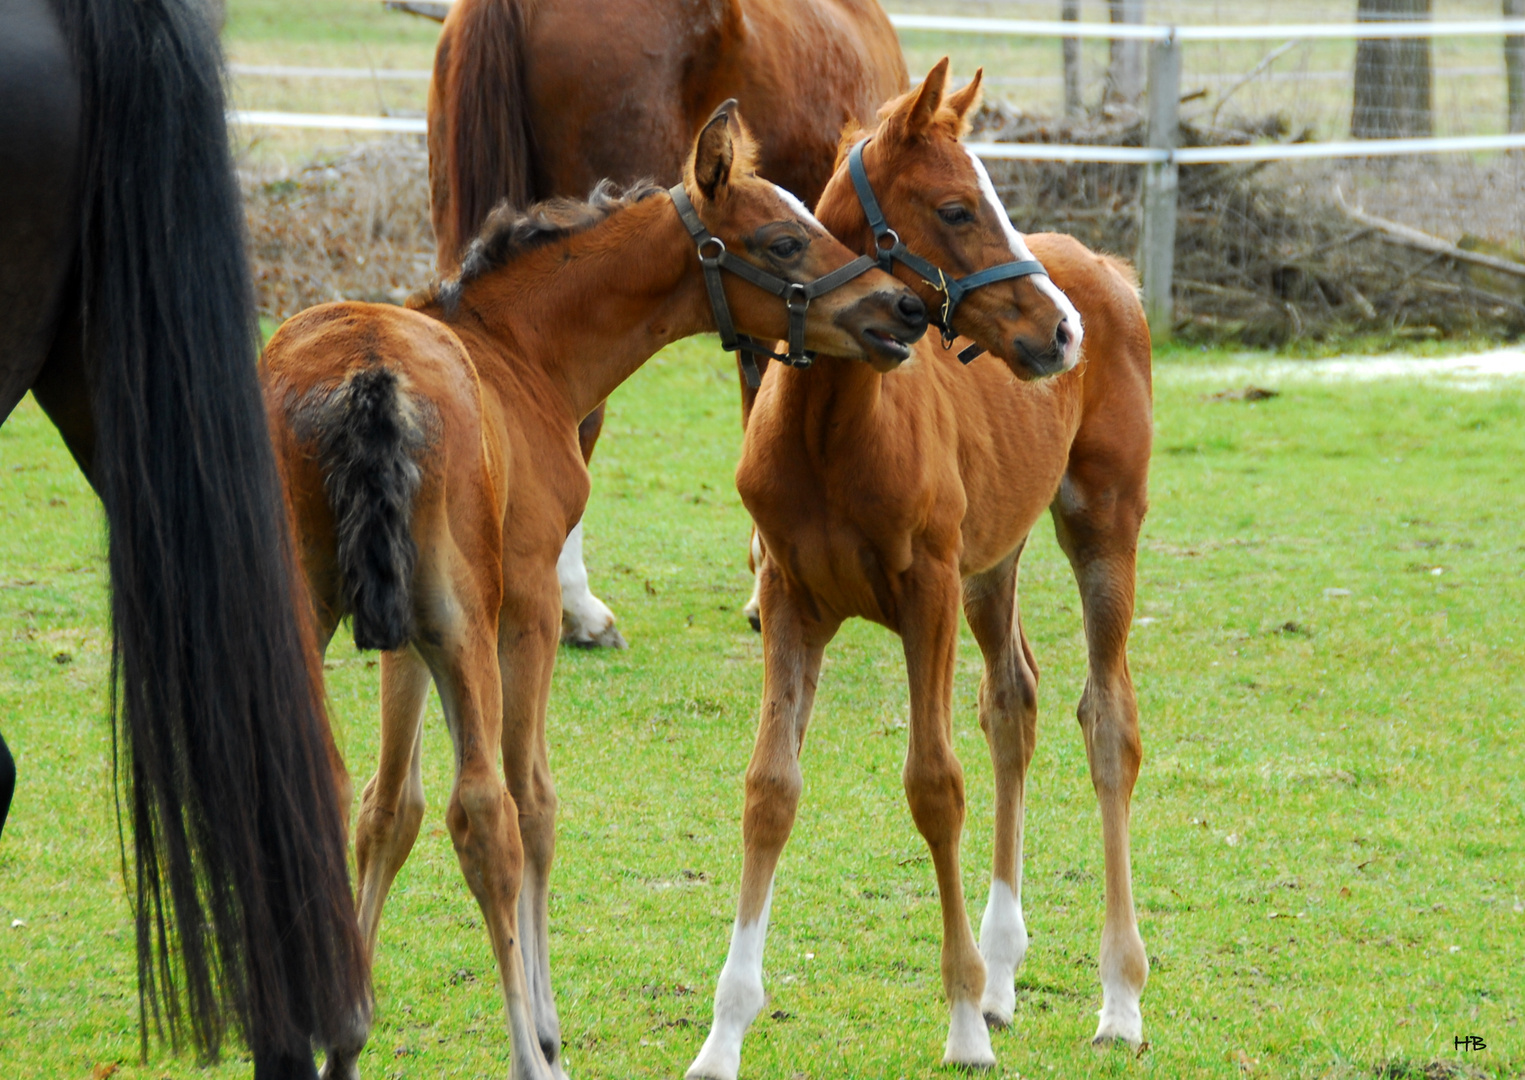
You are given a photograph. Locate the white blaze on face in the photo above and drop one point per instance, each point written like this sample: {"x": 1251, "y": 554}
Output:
{"x": 1021, "y": 252}
{"x": 793, "y": 202}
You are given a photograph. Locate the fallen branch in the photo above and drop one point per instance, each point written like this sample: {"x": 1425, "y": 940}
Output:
{"x": 1404, "y": 236}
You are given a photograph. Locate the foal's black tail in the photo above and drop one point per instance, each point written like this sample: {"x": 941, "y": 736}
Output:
{"x": 369, "y": 439}
{"x": 243, "y": 906}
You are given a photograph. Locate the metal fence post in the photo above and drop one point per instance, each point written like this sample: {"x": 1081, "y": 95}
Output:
{"x": 1157, "y": 235}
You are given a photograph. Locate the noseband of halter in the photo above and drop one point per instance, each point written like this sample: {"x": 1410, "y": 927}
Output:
{"x": 714, "y": 258}
{"x": 892, "y": 249}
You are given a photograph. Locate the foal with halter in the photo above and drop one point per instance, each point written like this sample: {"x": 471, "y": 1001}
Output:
{"x": 898, "y": 492}
{"x": 433, "y": 469}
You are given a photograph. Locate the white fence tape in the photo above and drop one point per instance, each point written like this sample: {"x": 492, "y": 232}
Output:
{"x": 292, "y": 71}
{"x": 398, "y": 125}
{"x": 1213, "y": 155}
{"x": 1123, "y": 155}
{"x": 1034, "y": 151}
{"x": 1142, "y": 32}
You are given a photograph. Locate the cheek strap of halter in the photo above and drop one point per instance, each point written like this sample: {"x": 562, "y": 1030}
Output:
{"x": 891, "y": 249}
{"x": 713, "y": 258}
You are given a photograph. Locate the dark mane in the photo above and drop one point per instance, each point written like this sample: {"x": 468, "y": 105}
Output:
{"x": 508, "y": 233}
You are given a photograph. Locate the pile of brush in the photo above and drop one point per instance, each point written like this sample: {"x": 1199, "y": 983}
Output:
{"x": 352, "y": 227}
{"x": 1266, "y": 255}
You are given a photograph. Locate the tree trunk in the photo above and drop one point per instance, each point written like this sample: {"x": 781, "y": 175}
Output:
{"x": 1069, "y": 11}
{"x": 1392, "y": 98}
{"x": 1125, "y": 68}
{"x": 1514, "y": 67}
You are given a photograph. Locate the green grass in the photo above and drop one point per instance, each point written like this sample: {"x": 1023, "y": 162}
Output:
{"x": 1331, "y": 801}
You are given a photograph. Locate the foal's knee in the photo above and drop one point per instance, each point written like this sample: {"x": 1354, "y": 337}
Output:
{"x": 934, "y": 788}
{"x": 1110, "y": 723}
{"x": 773, "y": 797}
{"x": 485, "y": 830}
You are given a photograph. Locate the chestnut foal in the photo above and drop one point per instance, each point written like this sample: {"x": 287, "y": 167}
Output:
{"x": 433, "y": 471}
{"x": 896, "y": 495}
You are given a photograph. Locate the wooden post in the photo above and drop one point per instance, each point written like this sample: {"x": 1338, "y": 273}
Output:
{"x": 1124, "y": 67}
{"x": 1514, "y": 67}
{"x": 1157, "y": 234}
{"x": 1069, "y": 11}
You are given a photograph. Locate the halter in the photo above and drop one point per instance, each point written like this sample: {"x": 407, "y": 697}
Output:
{"x": 714, "y": 258}
{"x": 890, "y": 248}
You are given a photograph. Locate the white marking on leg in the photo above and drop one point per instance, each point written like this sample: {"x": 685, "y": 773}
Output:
{"x": 968, "y": 1037}
{"x": 739, "y": 997}
{"x": 1003, "y": 944}
{"x": 1021, "y": 252}
{"x": 585, "y": 619}
{"x": 1121, "y": 1015}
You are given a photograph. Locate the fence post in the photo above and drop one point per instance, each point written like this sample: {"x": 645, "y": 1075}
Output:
{"x": 1157, "y": 234}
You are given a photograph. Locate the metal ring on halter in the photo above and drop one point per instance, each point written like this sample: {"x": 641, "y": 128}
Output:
{"x": 888, "y": 234}
{"x": 719, "y": 243}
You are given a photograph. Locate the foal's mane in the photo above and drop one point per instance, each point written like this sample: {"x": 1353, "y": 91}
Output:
{"x": 509, "y": 233}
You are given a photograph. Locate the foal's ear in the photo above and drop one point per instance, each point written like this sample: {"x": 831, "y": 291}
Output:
{"x": 920, "y": 106}
{"x": 964, "y": 102}
{"x": 715, "y": 151}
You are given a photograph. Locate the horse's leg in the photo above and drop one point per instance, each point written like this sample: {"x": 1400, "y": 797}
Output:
{"x": 792, "y": 649}
{"x": 484, "y": 821}
{"x": 934, "y": 787}
{"x": 7, "y": 781}
{"x": 1009, "y": 718}
{"x": 1097, "y": 516}
{"x": 275, "y": 1066}
{"x": 525, "y": 666}
{"x": 753, "y": 607}
{"x": 586, "y": 621}
{"x": 391, "y": 810}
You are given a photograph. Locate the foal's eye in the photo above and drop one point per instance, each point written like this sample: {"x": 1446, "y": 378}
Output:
{"x": 785, "y": 247}
{"x": 955, "y": 214}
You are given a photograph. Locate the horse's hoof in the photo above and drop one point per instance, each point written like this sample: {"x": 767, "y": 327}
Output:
{"x": 609, "y": 638}
{"x": 997, "y": 1023}
{"x": 755, "y": 621}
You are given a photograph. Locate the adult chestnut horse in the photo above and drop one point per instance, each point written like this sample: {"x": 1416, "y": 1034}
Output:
{"x": 895, "y": 496}
{"x": 535, "y": 100}
{"x": 126, "y": 308}
{"x": 433, "y": 468}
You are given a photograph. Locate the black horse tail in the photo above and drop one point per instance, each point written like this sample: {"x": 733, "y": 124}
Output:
{"x": 370, "y": 436}
{"x": 243, "y": 906}
{"x": 481, "y": 148}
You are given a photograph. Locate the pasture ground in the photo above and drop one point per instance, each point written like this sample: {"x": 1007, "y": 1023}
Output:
{"x": 1327, "y": 831}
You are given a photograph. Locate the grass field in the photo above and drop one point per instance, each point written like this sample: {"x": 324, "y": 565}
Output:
{"x": 1327, "y": 829}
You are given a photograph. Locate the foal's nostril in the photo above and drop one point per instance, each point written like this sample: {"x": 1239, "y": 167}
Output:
{"x": 912, "y": 310}
{"x": 1062, "y": 336}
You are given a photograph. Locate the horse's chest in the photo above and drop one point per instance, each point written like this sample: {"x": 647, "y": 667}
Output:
{"x": 845, "y": 545}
